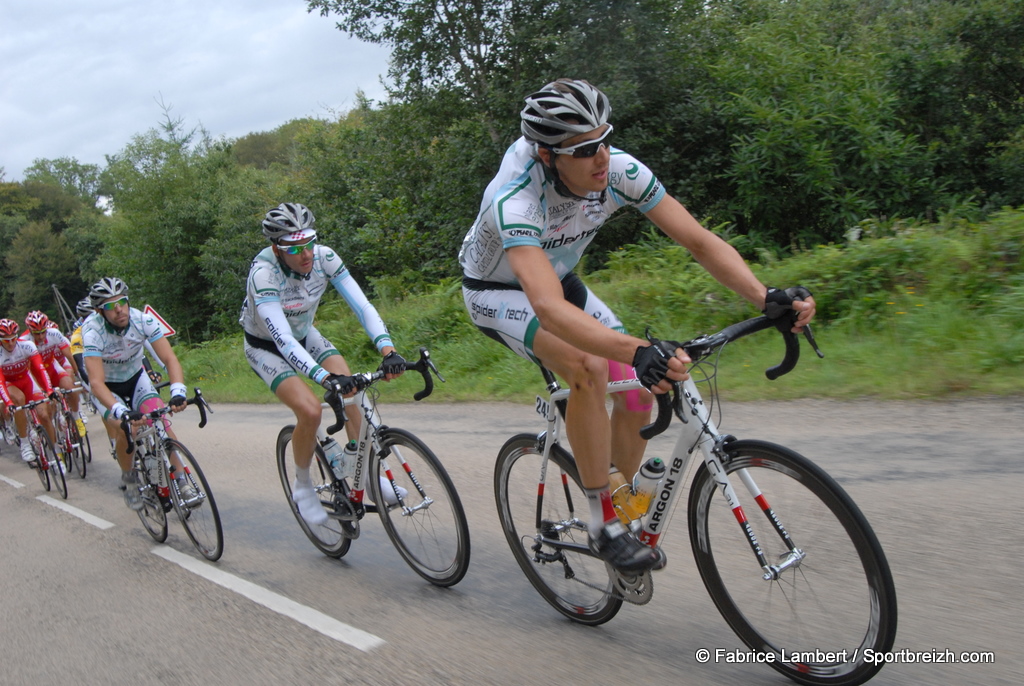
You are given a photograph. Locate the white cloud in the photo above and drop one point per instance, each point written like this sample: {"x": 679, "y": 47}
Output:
{"x": 80, "y": 79}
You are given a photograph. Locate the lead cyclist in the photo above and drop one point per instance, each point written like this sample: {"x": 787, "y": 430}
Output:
{"x": 556, "y": 186}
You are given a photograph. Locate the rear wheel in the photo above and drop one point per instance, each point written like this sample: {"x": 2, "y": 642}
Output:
{"x": 199, "y": 514}
{"x": 328, "y": 537}
{"x": 545, "y": 532}
{"x": 834, "y": 596}
{"x": 428, "y": 525}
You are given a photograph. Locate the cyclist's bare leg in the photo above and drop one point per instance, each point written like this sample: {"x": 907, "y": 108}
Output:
{"x": 627, "y": 448}
{"x": 67, "y": 384}
{"x": 587, "y": 424}
{"x": 294, "y": 393}
{"x": 45, "y": 414}
{"x": 124, "y": 460}
{"x": 20, "y": 420}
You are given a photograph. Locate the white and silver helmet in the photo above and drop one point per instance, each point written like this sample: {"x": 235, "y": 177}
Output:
{"x": 563, "y": 109}
{"x": 84, "y": 308}
{"x": 106, "y": 288}
{"x": 288, "y": 218}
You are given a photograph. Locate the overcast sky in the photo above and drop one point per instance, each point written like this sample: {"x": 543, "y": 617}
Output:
{"x": 80, "y": 78}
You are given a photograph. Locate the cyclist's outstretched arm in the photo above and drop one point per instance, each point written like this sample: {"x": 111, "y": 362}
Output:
{"x": 718, "y": 257}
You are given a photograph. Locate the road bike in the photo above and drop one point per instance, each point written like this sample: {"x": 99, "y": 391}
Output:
{"x": 47, "y": 464}
{"x": 69, "y": 440}
{"x": 152, "y": 453}
{"x": 408, "y": 486}
{"x": 804, "y": 579}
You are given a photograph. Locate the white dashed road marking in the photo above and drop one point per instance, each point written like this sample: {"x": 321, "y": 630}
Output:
{"x": 314, "y": 619}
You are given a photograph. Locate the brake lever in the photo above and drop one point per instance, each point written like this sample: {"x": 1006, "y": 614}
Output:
{"x": 810, "y": 339}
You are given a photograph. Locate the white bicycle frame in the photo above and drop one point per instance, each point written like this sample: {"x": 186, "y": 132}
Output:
{"x": 699, "y": 432}
{"x": 367, "y": 444}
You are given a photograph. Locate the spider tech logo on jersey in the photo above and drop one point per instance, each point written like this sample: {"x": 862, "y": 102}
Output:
{"x": 503, "y": 311}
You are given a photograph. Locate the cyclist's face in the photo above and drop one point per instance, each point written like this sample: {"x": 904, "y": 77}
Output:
{"x": 301, "y": 263}
{"x": 9, "y": 343}
{"x": 581, "y": 174}
{"x": 117, "y": 315}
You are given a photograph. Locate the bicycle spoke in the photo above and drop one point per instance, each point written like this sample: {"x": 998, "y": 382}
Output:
{"x": 837, "y": 599}
{"x": 573, "y": 581}
{"x": 329, "y": 538}
{"x": 198, "y": 512}
{"x": 427, "y": 524}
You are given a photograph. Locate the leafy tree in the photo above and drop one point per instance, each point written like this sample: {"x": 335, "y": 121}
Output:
{"x": 37, "y": 260}
{"x": 267, "y": 148}
{"x": 164, "y": 191}
{"x": 81, "y": 180}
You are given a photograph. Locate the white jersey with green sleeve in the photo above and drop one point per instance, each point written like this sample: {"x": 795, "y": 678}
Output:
{"x": 280, "y": 305}
{"x": 522, "y": 207}
{"x": 120, "y": 351}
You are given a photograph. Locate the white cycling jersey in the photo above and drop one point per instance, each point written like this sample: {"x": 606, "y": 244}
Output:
{"x": 120, "y": 351}
{"x": 522, "y": 207}
{"x": 280, "y": 305}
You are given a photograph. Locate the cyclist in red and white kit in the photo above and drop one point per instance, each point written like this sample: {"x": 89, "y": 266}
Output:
{"x": 22, "y": 380}
{"x": 55, "y": 349}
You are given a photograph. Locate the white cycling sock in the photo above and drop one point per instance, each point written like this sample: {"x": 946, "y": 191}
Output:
{"x": 302, "y": 476}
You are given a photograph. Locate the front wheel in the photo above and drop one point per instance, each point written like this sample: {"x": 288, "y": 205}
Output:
{"x": 329, "y": 538}
{"x": 836, "y": 599}
{"x": 545, "y": 532}
{"x": 427, "y": 524}
{"x": 74, "y": 457}
{"x": 54, "y": 465}
{"x": 152, "y": 515}
{"x": 42, "y": 461}
{"x": 198, "y": 511}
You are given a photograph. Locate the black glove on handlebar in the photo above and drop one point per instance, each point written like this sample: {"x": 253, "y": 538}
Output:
{"x": 134, "y": 415}
{"x": 340, "y": 384}
{"x": 777, "y": 303}
{"x": 651, "y": 361}
{"x": 178, "y": 401}
{"x": 393, "y": 363}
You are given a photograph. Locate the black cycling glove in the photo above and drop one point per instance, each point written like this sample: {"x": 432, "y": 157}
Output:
{"x": 340, "y": 384}
{"x": 777, "y": 303}
{"x": 134, "y": 415}
{"x": 651, "y": 361}
{"x": 393, "y": 363}
{"x": 178, "y": 400}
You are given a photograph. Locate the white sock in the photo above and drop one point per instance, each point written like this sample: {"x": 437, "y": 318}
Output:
{"x": 302, "y": 477}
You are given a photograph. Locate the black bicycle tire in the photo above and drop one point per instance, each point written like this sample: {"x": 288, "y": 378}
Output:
{"x": 879, "y": 600}
{"x": 514, "y": 449}
{"x": 152, "y": 514}
{"x": 455, "y": 568}
{"x": 187, "y": 515}
{"x": 284, "y": 467}
{"x": 87, "y": 447}
{"x": 44, "y": 474}
{"x": 54, "y": 466}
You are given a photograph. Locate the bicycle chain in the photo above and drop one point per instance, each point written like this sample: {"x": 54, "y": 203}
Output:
{"x": 636, "y": 589}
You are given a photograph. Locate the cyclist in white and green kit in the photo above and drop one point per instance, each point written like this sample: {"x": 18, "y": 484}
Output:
{"x": 556, "y": 187}
{"x": 285, "y": 284}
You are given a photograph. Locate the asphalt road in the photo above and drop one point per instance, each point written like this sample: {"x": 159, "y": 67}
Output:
{"x": 940, "y": 483}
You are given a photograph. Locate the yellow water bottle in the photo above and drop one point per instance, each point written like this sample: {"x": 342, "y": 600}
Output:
{"x": 621, "y": 496}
